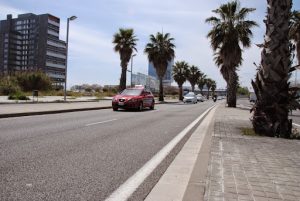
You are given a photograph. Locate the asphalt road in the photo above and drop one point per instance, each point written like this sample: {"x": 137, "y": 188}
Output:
{"x": 84, "y": 155}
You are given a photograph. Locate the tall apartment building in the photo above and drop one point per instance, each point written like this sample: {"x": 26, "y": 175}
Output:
{"x": 168, "y": 79}
{"x": 31, "y": 42}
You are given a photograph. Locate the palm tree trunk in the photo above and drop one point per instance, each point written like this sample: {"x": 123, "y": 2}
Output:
{"x": 271, "y": 85}
{"x": 298, "y": 50}
{"x": 201, "y": 91}
{"x": 180, "y": 92}
{"x": 122, "y": 85}
{"x": 161, "y": 89}
{"x": 232, "y": 88}
{"x": 193, "y": 88}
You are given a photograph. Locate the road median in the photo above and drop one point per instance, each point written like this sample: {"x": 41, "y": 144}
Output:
{"x": 19, "y": 110}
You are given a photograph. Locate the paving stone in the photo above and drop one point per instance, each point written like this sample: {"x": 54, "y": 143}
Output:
{"x": 290, "y": 197}
{"x": 259, "y": 193}
{"x": 273, "y": 195}
{"x": 258, "y": 198}
{"x": 245, "y": 197}
{"x": 258, "y": 168}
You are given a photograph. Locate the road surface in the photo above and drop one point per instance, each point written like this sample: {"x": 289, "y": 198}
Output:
{"x": 85, "y": 155}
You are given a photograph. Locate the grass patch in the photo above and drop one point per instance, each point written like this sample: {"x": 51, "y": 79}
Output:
{"x": 248, "y": 131}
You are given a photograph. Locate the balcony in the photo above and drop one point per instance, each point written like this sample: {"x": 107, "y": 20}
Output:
{"x": 53, "y": 33}
{"x": 53, "y": 75}
{"x": 49, "y": 64}
{"x": 52, "y": 22}
{"x": 56, "y": 44}
{"x": 53, "y": 54}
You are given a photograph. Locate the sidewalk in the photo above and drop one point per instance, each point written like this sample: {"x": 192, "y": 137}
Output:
{"x": 250, "y": 167}
{"x": 49, "y": 99}
{"x": 14, "y": 110}
{"x": 231, "y": 166}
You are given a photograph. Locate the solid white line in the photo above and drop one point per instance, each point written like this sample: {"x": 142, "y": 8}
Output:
{"x": 296, "y": 124}
{"x": 101, "y": 122}
{"x": 127, "y": 188}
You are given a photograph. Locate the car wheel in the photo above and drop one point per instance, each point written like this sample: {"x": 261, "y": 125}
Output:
{"x": 140, "y": 108}
{"x": 152, "y": 106}
{"x": 115, "y": 109}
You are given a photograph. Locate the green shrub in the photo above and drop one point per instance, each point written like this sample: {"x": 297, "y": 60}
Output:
{"x": 18, "y": 96}
{"x": 34, "y": 81}
{"x": 8, "y": 86}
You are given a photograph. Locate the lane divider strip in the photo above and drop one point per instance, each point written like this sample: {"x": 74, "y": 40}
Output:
{"x": 132, "y": 183}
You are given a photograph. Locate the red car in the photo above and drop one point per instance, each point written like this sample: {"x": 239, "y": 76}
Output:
{"x": 134, "y": 98}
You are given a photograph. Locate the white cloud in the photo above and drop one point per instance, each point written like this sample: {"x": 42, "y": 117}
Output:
{"x": 5, "y": 10}
{"x": 91, "y": 55}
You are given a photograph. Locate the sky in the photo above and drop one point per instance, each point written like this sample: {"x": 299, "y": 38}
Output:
{"x": 92, "y": 59}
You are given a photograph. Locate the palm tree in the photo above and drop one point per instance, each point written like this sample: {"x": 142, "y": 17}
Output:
{"x": 209, "y": 83}
{"x": 295, "y": 32}
{"x": 193, "y": 76}
{"x": 125, "y": 44}
{"x": 271, "y": 85}
{"x": 179, "y": 73}
{"x": 230, "y": 31}
{"x": 201, "y": 82}
{"x": 213, "y": 87}
{"x": 160, "y": 51}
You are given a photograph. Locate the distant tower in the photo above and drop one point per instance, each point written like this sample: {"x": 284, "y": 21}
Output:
{"x": 168, "y": 79}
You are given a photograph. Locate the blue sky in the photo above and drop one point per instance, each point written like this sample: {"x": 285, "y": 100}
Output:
{"x": 91, "y": 56}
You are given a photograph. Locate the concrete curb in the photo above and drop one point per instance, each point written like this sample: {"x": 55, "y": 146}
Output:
{"x": 186, "y": 175}
{"x": 63, "y": 111}
{"x": 51, "y": 112}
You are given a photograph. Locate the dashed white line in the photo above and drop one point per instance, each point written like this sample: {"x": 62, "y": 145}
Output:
{"x": 101, "y": 122}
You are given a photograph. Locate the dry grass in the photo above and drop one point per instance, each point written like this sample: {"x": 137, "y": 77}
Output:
{"x": 248, "y": 131}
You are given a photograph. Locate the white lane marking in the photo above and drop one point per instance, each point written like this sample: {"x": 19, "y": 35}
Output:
{"x": 296, "y": 124}
{"x": 101, "y": 122}
{"x": 127, "y": 188}
{"x": 154, "y": 111}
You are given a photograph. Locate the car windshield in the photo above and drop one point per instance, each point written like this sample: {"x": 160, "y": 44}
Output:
{"x": 189, "y": 95}
{"x": 132, "y": 92}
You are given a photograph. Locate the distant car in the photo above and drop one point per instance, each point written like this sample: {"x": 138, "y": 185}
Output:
{"x": 134, "y": 98}
{"x": 200, "y": 98}
{"x": 252, "y": 97}
{"x": 190, "y": 98}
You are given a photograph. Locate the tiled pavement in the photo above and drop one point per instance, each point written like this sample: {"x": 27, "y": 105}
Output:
{"x": 250, "y": 167}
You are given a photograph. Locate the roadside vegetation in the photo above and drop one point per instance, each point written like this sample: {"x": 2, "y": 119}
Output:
{"x": 125, "y": 45}
{"x": 230, "y": 30}
{"x": 18, "y": 86}
{"x": 160, "y": 51}
{"x": 183, "y": 72}
{"x": 271, "y": 85}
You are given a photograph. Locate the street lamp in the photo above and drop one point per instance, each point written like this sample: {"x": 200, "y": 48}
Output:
{"x": 67, "y": 44}
{"x": 131, "y": 69}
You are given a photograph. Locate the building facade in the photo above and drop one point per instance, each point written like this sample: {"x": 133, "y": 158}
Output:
{"x": 168, "y": 79}
{"x": 149, "y": 82}
{"x": 31, "y": 42}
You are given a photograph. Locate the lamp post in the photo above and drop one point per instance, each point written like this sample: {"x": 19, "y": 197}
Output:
{"x": 67, "y": 44}
{"x": 131, "y": 69}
